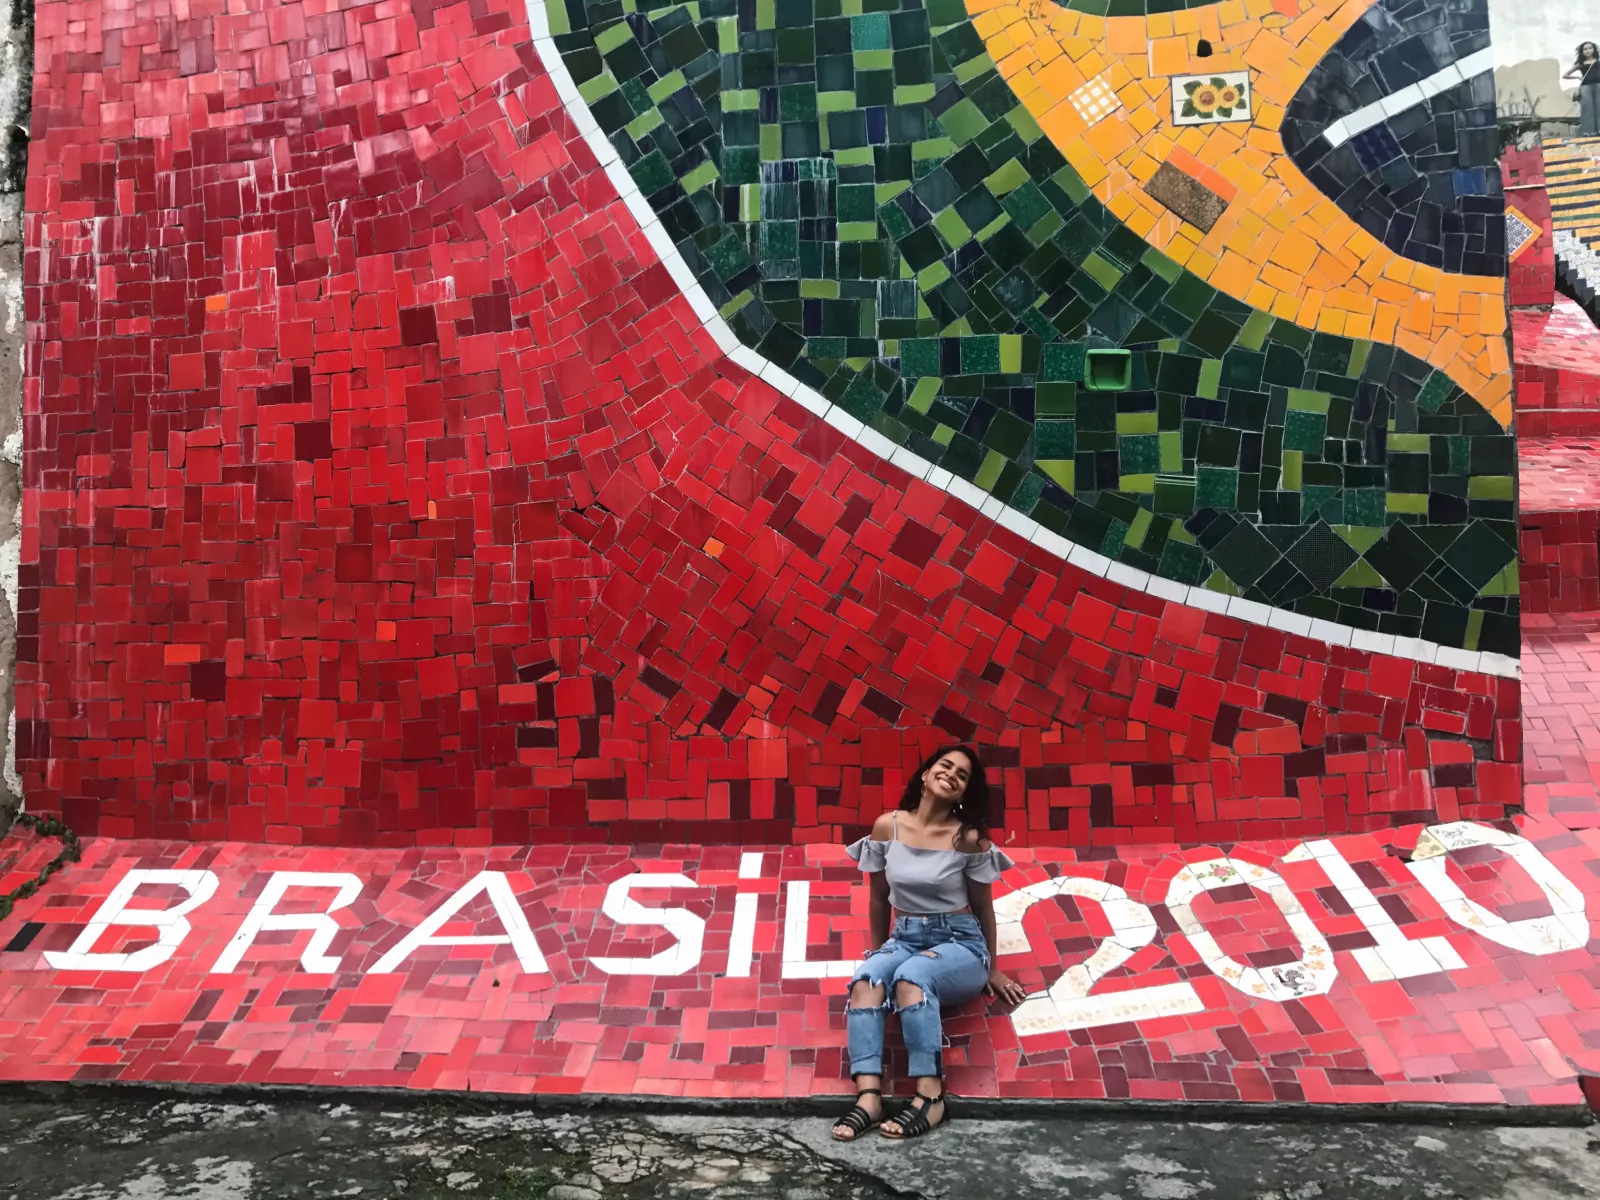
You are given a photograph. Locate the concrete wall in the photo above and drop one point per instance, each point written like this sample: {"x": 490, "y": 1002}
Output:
{"x": 16, "y": 84}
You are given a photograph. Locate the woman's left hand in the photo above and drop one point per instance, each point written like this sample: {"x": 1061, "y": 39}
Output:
{"x": 1002, "y": 987}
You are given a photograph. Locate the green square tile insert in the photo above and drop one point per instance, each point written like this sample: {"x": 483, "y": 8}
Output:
{"x": 1108, "y": 370}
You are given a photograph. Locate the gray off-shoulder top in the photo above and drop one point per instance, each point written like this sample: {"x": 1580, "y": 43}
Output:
{"x": 922, "y": 881}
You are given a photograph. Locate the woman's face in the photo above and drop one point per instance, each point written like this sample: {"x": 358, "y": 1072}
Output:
{"x": 1589, "y": 51}
{"x": 947, "y": 778}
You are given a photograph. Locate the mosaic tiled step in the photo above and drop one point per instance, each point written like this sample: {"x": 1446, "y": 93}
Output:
{"x": 1578, "y": 272}
{"x": 1561, "y": 727}
{"x": 1572, "y": 178}
{"x": 1561, "y": 336}
{"x": 1447, "y": 965}
{"x": 1559, "y": 553}
{"x": 1557, "y": 368}
{"x": 900, "y": 236}
{"x": 1560, "y": 561}
{"x": 1559, "y": 474}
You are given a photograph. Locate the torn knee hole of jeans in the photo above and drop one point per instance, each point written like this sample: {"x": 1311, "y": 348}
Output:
{"x": 887, "y": 1006}
{"x": 930, "y": 954}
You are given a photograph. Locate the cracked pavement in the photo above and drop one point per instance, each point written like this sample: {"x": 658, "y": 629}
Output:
{"x": 106, "y": 1145}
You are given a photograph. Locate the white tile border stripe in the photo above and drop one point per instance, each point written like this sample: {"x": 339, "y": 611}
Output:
{"x": 1047, "y": 540}
{"x": 1381, "y": 109}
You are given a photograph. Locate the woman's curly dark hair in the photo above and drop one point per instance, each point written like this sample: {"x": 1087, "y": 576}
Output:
{"x": 1578, "y": 61}
{"x": 972, "y": 810}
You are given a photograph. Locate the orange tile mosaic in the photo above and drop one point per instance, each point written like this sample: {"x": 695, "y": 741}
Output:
{"x": 1281, "y": 246}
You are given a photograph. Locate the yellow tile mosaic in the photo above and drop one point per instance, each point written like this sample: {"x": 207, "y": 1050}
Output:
{"x": 1281, "y": 245}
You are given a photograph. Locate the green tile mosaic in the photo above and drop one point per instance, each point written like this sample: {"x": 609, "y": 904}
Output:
{"x": 863, "y": 197}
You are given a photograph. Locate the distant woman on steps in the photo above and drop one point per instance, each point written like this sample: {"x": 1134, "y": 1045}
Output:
{"x": 1586, "y": 70}
{"x": 931, "y": 862}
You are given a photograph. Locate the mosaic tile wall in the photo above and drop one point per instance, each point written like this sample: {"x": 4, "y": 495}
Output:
{"x": 864, "y": 197}
{"x": 392, "y": 478}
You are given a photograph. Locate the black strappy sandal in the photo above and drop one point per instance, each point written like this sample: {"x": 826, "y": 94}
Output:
{"x": 858, "y": 1120}
{"x": 913, "y": 1118}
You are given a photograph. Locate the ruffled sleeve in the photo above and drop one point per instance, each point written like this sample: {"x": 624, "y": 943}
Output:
{"x": 873, "y": 856}
{"x": 988, "y": 865}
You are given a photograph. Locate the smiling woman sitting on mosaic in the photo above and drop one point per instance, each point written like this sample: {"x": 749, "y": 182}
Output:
{"x": 934, "y": 867}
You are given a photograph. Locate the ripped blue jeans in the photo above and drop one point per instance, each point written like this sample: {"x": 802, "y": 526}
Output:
{"x": 952, "y": 974}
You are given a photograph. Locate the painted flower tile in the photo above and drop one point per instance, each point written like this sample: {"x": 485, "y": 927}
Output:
{"x": 1201, "y": 99}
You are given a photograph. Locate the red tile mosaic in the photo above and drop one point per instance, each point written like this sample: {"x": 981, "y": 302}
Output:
{"x": 1446, "y": 965}
{"x": 383, "y": 490}
{"x": 1532, "y": 268}
{"x": 1559, "y": 566}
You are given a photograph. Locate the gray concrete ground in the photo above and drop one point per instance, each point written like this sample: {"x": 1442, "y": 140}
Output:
{"x": 106, "y": 1146}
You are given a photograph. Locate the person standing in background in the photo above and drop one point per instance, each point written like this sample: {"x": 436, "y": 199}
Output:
{"x": 1586, "y": 70}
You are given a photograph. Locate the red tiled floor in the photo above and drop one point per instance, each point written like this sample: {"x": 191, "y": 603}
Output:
{"x": 1558, "y": 474}
{"x": 1561, "y": 716}
{"x": 1266, "y": 978}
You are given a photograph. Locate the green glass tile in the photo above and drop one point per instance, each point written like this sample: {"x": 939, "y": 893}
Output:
{"x": 1255, "y": 329}
{"x": 601, "y": 85}
{"x": 1136, "y": 422}
{"x": 1304, "y": 431}
{"x": 963, "y": 122}
{"x": 1401, "y": 502}
{"x": 1063, "y": 362}
{"x": 980, "y": 356}
{"x": 1055, "y": 439}
{"x": 1021, "y": 120}
{"x": 989, "y": 473}
{"x": 1435, "y": 392}
{"x": 952, "y": 228}
{"x": 861, "y": 399}
{"x": 1492, "y": 487}
{"x": 644, "y": 123}
{"x": 1479, "y": 554}
{"x": 1216, "y": 487}
{"x": 920, "y": 357}
{"x": 1184, "y": 563}
{"x": 701, "y": 176}
{"x": 1139, "y": 455}
{"x": 1306, "y": 401}
{"x": 1102, "y": 271}
{"x": 1361, "y": 574}
{"x": 652, "y": 173}
{"x": 1292, "y": 464}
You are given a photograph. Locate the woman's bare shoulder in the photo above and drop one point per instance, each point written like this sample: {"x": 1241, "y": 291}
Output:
{"x": 883, "y": 828}
{"x": 973, "y": 842}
